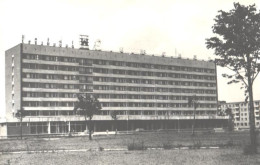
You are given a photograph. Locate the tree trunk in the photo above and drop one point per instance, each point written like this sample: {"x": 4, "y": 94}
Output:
{"x": 115, "y": 127}
{"x": 194, "y": 119}
{"x": 252, "y": 120}
{"x": 90, "y": 129}
{"x": 251, "y": 109}
{"x": 21, "y": 128}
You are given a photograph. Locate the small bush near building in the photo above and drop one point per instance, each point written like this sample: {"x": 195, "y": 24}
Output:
{"x": 179, "y": 145}
{"x": 197, "y": 145}
{"x": 167, "y": 146}
{"x": 248, "y": 150}
{"x": 101, "y": 149}
{"x": 136, "y": 146}
{"x": 230, "y": 143}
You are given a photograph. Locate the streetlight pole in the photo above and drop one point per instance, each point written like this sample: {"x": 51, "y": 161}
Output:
{"x": 193, "y": 100}
{"x": 127, "y": 122}
{"x": 178, "y": 124}
{"x": 194, "y": 117}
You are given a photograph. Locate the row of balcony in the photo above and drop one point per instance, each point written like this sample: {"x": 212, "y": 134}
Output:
{"x": 114, "y": 100}
{"x": 114, "y": 75}
{"x": 114, "y": 92}
{"x": 123, "y": 108}
{"x": 152, "y": 85}
{"x": 120, "y": 117}
{"x": 150, "y": 70}
{"x": 111, "y": 67}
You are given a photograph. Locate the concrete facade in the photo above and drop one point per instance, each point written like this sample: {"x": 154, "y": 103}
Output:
{"x": 44, "y": 81}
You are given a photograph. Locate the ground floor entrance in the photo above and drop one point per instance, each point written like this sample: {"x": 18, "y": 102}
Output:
{"x": 64, "y": 127}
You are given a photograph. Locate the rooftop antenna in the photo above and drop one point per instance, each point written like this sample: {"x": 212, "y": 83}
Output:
{"x": 163, "y": 54}
{"x": 22, "y": 38}
{"x": 142, "y": 52}
{"x": 97, "y": 45}
{"x": 35, "y": 41}
{"x": 83, "y": 42}
{"x": 72, "y": 45}
{"x": 121, "y": 50}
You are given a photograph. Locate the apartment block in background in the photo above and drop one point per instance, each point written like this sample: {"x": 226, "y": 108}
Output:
{"x": 240, "y": 111}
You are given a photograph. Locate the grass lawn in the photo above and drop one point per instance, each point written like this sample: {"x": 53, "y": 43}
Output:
{"x": 232, "y": 155}
{"x": 150, "y": 139}
{"x": 178, "y": 157}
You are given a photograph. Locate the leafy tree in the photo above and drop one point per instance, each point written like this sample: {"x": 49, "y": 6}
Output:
{"x": 228, "y": 112}
{"x": 20, "y": 114}
{"x": 87, "y": 106}
{"x": 114, "y": 116}
{"x": 237, "y": 45}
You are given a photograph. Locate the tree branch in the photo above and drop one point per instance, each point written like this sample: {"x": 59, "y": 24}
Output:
{"x": 255, "y": 77}
{"x": 238, "y": 74}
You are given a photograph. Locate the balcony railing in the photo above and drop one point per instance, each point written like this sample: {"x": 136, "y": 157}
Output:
{"x": 85, "y": 81}
{"x": 85, "y": 72}
{"x": 86, "y": 90}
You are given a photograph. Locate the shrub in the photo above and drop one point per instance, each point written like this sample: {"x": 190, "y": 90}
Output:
{"x": 101, "y": 149}
{"x": 197, "y": 145}
{"x": 190, "y": 146}
{"x": 221, "y": 145}
{"x": 230, "y": 143}
{"x": 248, "y": 150}
{"x": 136, "y": 146}
{"x": 179, "y": 145}
{"x": 167, "y": 146}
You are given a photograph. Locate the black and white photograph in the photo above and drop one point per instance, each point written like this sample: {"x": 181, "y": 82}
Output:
{"x": 133, "y": 82}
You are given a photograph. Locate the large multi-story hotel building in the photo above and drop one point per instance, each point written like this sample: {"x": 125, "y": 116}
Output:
{"x": 240, "y": 111}
{"x": 149, "y": 92}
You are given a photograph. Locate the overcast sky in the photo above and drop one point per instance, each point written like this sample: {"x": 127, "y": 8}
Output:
{"x": 155, "y": 26}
